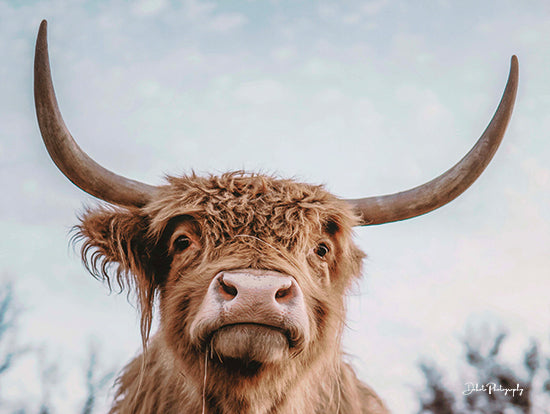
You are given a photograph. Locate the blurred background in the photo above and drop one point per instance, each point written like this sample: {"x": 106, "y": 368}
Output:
{"x": 366, "y": 97}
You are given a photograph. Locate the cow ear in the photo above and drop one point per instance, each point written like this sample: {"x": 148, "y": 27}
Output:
{"x": 350, "y": 258}
{"x": 116, "y": 247}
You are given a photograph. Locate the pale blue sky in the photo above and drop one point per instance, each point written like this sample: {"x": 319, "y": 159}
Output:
{"x": 367, "y": 97}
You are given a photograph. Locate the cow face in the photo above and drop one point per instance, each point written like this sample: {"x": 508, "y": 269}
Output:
{"x": 247, "y": 267}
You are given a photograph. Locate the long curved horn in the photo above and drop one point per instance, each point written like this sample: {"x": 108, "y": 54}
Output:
{"x": 64, "y": 151}
{"x": 449, "y": 185}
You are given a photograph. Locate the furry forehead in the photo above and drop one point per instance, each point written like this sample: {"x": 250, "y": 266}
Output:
{"x": 239, "y": 202}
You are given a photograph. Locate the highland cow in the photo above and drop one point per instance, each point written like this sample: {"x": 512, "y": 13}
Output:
{"x": 250, "y": 274}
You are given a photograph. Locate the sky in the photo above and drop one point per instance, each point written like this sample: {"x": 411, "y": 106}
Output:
{"x": 365, "y": 97}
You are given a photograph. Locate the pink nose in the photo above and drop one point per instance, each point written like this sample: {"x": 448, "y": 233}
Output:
{"x": 248, "y": 288}
{"x": 253, "y": 296}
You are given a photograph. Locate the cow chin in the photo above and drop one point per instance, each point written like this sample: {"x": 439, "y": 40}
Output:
{"x": 250, "y": 343}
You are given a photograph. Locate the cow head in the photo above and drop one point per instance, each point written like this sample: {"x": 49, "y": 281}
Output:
{"x": 247, "y": 267}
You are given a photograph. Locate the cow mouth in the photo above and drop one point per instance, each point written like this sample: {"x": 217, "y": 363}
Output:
{"x": 250, "y": 343}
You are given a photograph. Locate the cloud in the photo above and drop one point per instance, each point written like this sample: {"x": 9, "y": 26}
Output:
{"x": 351, "y": 15}
{"x": 149, "y": 7}
{"x": 374, "y": 7}
{"x": 328, "y": 10}
{"x": 261, "y": 92}
{"x": 227, "y": 22}
{"x": 319, "y": 68}
{"x": 538, "y": 173}
{"x": 195, "y": 9}
{"x": 283, "y": 54}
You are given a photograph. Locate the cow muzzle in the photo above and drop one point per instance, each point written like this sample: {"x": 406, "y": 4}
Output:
{"x": 252, "y": 315}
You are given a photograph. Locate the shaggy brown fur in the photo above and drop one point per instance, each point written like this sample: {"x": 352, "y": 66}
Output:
{"x": 235, "y": 221}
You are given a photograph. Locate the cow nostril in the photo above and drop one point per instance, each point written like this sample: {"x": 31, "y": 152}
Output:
{"x": 227, "y": 288}
{"x": 283, "y": 293}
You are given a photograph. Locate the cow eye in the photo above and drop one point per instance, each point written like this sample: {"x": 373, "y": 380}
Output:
{"x": 321, "y": 250}
{"x": 182, "y": 243}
